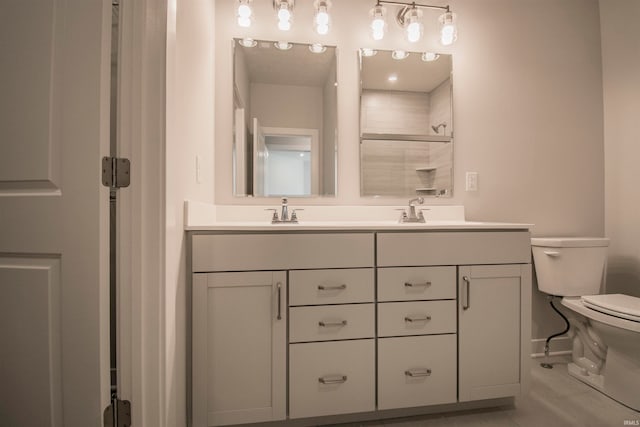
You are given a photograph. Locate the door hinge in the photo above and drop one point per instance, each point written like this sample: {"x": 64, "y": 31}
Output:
{"x": 118, "y": 414}
{"x": 116, "y": 172}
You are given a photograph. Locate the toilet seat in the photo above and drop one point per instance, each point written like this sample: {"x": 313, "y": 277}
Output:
{"x": 577, "y": 304}
{"x": 624, "y": 306}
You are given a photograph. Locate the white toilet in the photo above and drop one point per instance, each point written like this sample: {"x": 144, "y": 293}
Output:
{"x": 607, "y": 325}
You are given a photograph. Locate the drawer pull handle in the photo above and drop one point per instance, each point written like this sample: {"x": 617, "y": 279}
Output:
{"x": 332, "y": 288}
{"x": 334, "y": 379}
{"x": 411, "y": 319}
{"x": 553, "y": 254}
{"x": 414, "y": 373}
{"x": 332, "y": 324}
{"x": 416, "y": 285}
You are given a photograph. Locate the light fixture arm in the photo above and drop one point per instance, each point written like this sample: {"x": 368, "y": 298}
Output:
{"x": 414, "y": 4}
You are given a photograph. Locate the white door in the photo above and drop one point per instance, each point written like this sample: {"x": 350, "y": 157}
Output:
{"x": 54, "y": 128}
{"x": 259, "y": 159}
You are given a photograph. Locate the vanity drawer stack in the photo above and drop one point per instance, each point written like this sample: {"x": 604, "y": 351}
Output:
{"x": 416, "y": 336}
{"x": 331, "y": 342}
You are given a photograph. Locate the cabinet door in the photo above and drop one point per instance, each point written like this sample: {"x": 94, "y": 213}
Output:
{"x": 493, "y": 329}
{"x": 239, "y": 348}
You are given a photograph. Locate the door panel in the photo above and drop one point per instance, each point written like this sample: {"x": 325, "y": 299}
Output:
{"x": 54, "y": 128}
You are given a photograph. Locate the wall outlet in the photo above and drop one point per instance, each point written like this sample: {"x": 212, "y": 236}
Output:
{"x": 472, "y": 181}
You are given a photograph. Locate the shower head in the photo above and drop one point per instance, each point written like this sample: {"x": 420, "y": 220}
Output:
{"x": 436, "y": 128}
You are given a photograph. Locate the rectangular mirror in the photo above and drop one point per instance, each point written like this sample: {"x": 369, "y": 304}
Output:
{"x": 285, "y": 119}
{"x": 406, "y": 126}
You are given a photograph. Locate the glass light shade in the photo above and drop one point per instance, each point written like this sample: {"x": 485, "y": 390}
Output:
{"x": 283, "y": 13}
{"x": 322, "y": 17}
{"x": 244, "y": 10}
{"x": 322, "y": 29}
{"x": 368, "y": 52}
{"x": 448, "y": 28}
{"x": 413, "y": 25}
{"x": 317, "y": 48}
{"x": 284, "y": 25}
{"x": 248, "y": 42}
{"x": 283, "y": 45}
{"x": 378, "y": 22}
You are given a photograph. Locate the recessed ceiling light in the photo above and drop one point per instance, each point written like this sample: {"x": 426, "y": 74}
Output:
{"x": 368, "y": 52}
{"x": 283, "y": 45}
{"x": 317, "y": 48}
{"x": 430, "y": 56}
{"x": 248, "y": 42}
{"x": 393, "y": 78}
{"x": 399, "y": 54}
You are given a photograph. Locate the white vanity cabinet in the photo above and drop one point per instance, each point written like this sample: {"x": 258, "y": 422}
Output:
{"x": 300, "y": 324}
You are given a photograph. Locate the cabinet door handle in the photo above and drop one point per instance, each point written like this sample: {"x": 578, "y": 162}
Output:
{"x": 465, "y": 294}
{"x": 333, "y": 379}
{"x": 553, "y": 254}
{"x": 330, "y": 324}
{"x": 414, "y": 373}
{"x": 416, "y": 285}
{"x": 279, "y": 285}
{"x": 332, "y": 288}
{"x": 411, "y": 319}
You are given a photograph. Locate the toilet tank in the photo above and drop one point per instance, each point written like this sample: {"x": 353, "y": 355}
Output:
{"x": 570, "y": 266}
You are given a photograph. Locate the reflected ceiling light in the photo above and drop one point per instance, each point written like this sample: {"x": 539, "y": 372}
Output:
{"x": 283, "y": 45}
{"x": 393, "y": 78}
{"x": 321, "y": 19}
{"x": 244, "y": 13}
{"x": 368, "y": 52}
{"x": 317, "y": 48}
{"x": 248, "y": 42}
{"x": 378, "y": 21}
{"x": 430, "y": 56}
{"x": 409, "y": 17}
{"x": 448, "y": 28}
{"x": 399, "y": 54}
{"x": 284, "y": 12}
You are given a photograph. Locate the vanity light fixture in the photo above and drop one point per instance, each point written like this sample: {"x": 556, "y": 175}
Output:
{"x": 244, "y": 13}
{"x": 283, "y": 45}
{"x": 321, "y": 19}
{"x": 284, "y": 12}
{"x": 317, "y": 48}
{"x": 399, "y": 54}
{"x": 247, "y": 42}
{"x": 430, "y": 56}
{"x": 409, "y": 17}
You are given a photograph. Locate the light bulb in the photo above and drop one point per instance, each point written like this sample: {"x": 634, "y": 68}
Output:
{"x": 244, "y": 21}
{"x": 284, "y": 14}
{"x": 414, "y": 31}
{"x": 317, "y": 48}
{"x": 413, "y": 24}
{"x": 430, "y": 56}
{"x": 368, "y": 52}
{"x": 322, "y": 29}
{"x": 322, "y": 17}
{"x": 377, "y": 34}
{"x": 399, "y": 54}
{"x": 284, "y": 25}
{"x": 244, "y": 10}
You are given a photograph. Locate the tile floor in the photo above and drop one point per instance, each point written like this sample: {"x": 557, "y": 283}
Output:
{"x": 555, "y": 400}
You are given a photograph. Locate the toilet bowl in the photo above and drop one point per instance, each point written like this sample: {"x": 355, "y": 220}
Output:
{"x": 605, "y": 329}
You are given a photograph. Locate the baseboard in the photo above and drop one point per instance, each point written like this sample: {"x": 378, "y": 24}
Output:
{"x": 559, "y": 346}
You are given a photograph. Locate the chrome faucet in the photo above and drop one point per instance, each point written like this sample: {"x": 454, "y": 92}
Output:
{"x": 284, "y": 214}
{"x": 412, "y": 216}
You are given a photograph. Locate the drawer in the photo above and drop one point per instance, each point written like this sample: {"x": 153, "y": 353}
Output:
{"x": 453, "y": 248}
{"x": 333, "y": 322}
{"x": 314, "y": 287}
{"x": 331, "y": 378}
{"x": 416, "y": 283}
{"x": 242, "y": 252}
{"x": 416, "y": 318}
{"x": 416, "y": 371}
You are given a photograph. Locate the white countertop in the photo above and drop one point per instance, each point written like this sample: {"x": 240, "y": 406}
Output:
{"x": 356, "y": 225}
{"x": 206, "y": 217}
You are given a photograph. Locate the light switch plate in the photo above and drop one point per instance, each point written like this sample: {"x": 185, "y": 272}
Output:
{"x": 472, "y": 181}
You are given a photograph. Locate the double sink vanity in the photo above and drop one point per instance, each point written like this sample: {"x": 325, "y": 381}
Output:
{"x": 354, "y": 320}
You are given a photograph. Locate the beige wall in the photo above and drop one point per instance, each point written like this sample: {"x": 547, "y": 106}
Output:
{"x": 527, "y": 90}
{"x": 189, "y": 122}
{"x": 621, "y": 87}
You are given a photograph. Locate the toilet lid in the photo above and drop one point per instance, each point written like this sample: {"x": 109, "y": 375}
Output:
{"x": 620, "y": 305}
